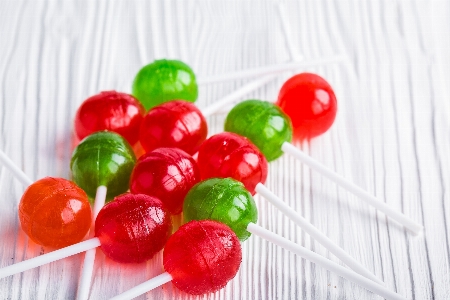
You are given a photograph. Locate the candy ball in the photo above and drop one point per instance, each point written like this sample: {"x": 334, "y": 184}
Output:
{"x": 103, "y": 158}
{"x": 177, "y": 124}
{"x": 167, "y": 174}
{"x": 222, "y": 199}
{"x": 230, "y": 155}
{"x": 133, "y": 228}
{"x": 165, "y": 80}
{"x": 113, "y": 111}
{"x": 310, "y": 103}
{"x": 202, "y": 256}
{"x": 55, "y": 213}
{"x": 263, "y": 123}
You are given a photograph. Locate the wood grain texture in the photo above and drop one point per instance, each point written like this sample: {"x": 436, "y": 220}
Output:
{"x": 391, "y": 136}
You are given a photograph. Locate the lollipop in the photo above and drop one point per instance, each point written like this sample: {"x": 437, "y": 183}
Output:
{"x": 224, "y": 200}
{"x": 165, "y": 173}
{"x": 142, "y": 215}
{"x": 229, "y": 155}
{"x": 113, "y": 111}
{"x": 165, "y": 80}
{"x": 263, "y": 123}
{"x": 54, "y": 212}
{"x": 268, "y": 129}
{"x": 103, "y": 159}
{"x": 173, "y": 124}
{"x": 201, "y": 257}
{"x": 310, "y": 103}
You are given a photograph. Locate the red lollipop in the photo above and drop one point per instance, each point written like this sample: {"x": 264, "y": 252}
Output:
{"x": 178, "y": 124}
{"x": 230, "y": 155}
{"x": 310, "y": 103}
{"x": 165, "y": 173}
{"x": 113, "y": 111}
{"x": 133, "y": 228}
{"x": 201, "y": 257}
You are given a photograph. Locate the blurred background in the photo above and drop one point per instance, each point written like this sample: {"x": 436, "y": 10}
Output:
{"x": 391, "y": 135}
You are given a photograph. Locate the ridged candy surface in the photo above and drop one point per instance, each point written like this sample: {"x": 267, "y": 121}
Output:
{"x": 133, "y": 228}
{"x": 263, "y": 123}
{"x": 113, "y": 111}
{"x": 165, "y": 80}
{"x": 222, "y": 199}
{"x": 202, "y": 257}
{"x": 230, "y": 155}
{"x": 178, "y": 124}
{"x": 103, "y": 158}
{"x": 165, "y": 173}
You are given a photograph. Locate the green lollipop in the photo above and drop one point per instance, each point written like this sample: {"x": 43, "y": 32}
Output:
{"x": 103, "y": 159}
{"x": 224, "y": 200}
{"x": 263, "y": 123}
{"x": 165, "y": 80}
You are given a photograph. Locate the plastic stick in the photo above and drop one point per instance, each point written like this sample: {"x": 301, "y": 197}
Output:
{"x": 253, "y": 85}
{"x": 89, "y": 258}
{"x": 267, "y": 70}
{"x": 351, "y": 187}
{"x": 323, "y": 262}
{"x": 144, "y": 287}
{"x": 315, "y": 233}
{"x": 18, "y": 173}
{"x": 49, "y": 257}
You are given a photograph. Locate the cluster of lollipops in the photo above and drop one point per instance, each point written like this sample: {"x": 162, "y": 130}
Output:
{"x": 211, "y": 181}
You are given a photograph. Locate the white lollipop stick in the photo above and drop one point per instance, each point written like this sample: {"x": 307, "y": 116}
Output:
{"x": 49, "y": 257}
{"x": 18, "y": 173}
{"x": 353, "y": 188}
{"x": 144, "y": 287}
{"x": 89, "y": 259}
{"x": 315, "y": 233}
{"x": 323, "y": 262}
{"x": 271, "y": 69}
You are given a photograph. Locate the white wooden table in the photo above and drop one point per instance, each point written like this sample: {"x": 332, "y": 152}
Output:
{"x": 391, "y": 136}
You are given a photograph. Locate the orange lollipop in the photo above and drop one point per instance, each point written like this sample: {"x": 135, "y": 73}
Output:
{"x": 54, "y": 212}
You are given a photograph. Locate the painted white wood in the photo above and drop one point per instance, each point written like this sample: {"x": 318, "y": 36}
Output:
{"x": 391, "y": 136}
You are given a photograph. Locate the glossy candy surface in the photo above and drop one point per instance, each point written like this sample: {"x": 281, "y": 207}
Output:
{"x": 113, "y": 111}
{"x": 165, "y": 173}
{"x": 310, "y": 102}
{"x": 54, "y": 212}
{"x": 165, "y": 80}
{"x": 222, "y": 199}
{"x": 202, "y": 256}
{"x": 263, "y": 123}
{"x": 230, "y": 155}
{"x": 103, "y": 158}
{"x": 178, "y": 124}
{"x": 133, "y": 228}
